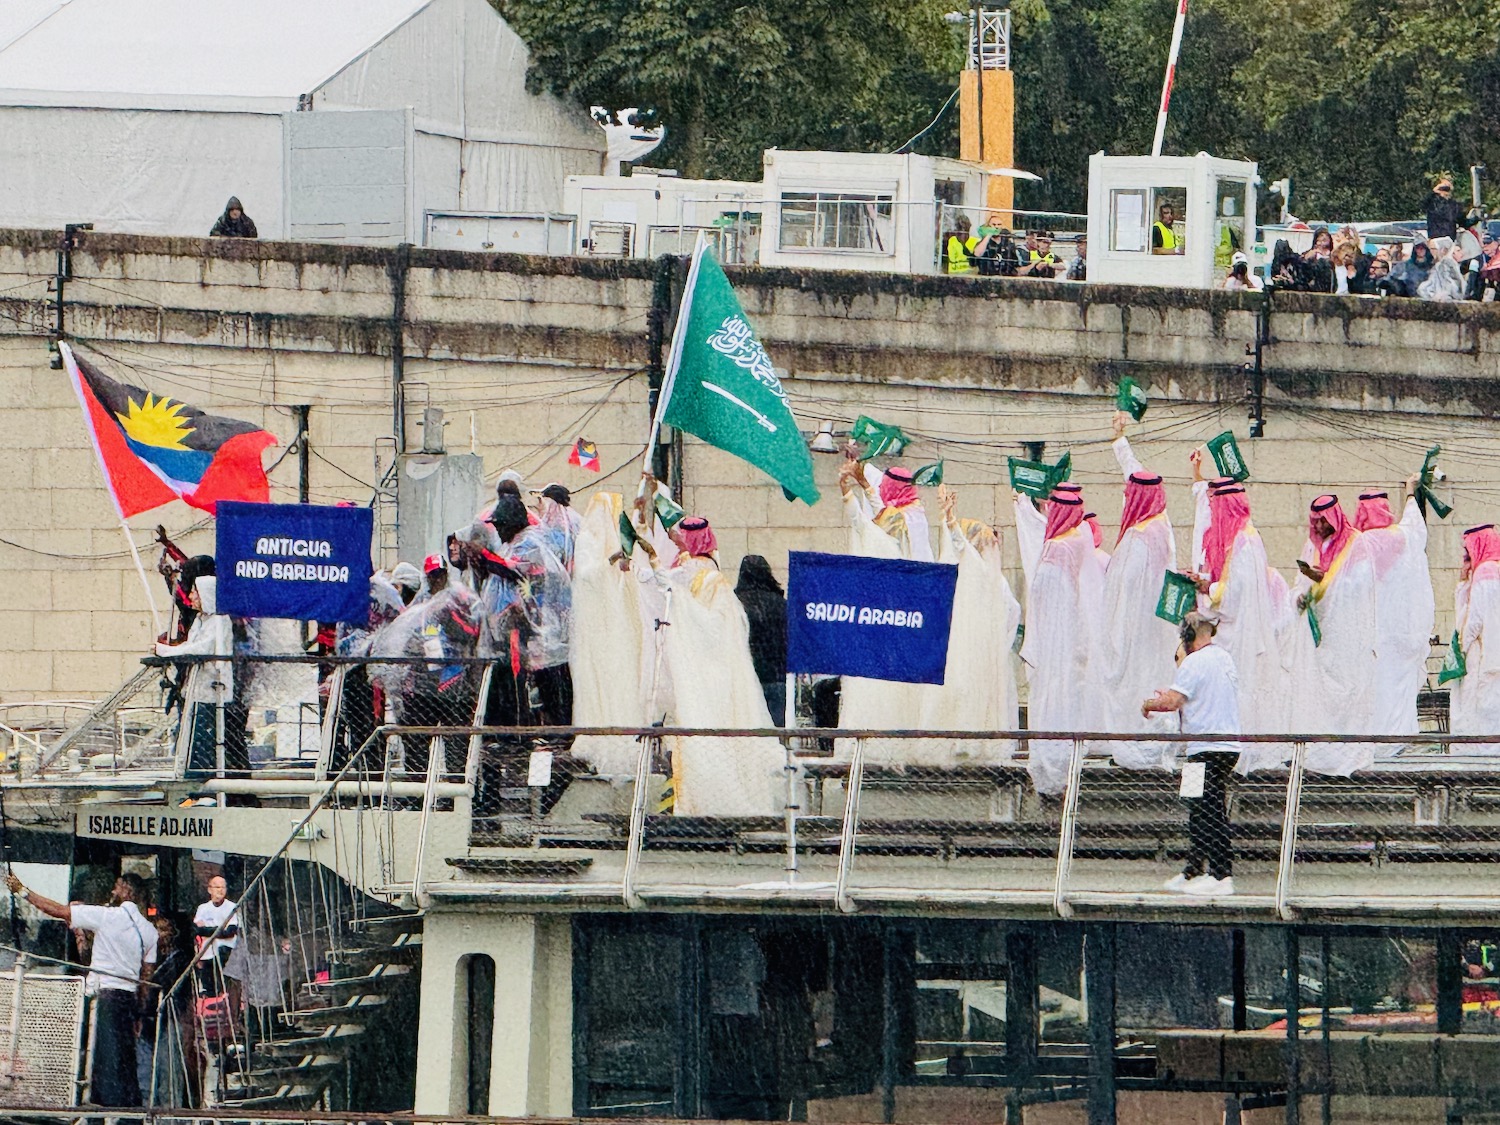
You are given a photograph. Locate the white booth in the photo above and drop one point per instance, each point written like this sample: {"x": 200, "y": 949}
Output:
{"x": 1168, "y": 220}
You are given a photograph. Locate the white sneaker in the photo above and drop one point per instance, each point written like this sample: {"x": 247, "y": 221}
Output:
{"x": 1175, "y": 883}
{"x": 1206, "y": 886}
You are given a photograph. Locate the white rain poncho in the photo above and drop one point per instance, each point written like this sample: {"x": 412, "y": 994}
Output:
{"x": 560, "y": 525}
{"x": 866, "y": 704}
{"x": 1063, "y": 649}
{"x": 1475, "y": 698}
{"x": 211, "y": 634}
{"x": 1248, "y": 601}
{"x": 1138, "y": 645}
{"x": 436, "y": 635}
{"x": 707, "y": 650}
{"x": 1332, "y": 683}
{"x": 1406, "y": 611}
{"x": 979, "y": 684}
{"x": 605, "y": 654}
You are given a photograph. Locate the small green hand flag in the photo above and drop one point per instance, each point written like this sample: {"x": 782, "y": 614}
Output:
{"x": 1130, "y": 399}
{"x": 878, "y": 439}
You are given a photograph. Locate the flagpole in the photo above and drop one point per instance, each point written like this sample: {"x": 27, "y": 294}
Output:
{"x": 140, "y": 568}
{"x": 674, "y": 357}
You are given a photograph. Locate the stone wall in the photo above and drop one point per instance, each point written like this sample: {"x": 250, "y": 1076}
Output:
{"x": 528, "y": 354}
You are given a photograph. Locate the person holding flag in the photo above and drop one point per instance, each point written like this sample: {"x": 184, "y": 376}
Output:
{"x": 1138, "y": 645}
{"x": 891, "y": 505}
{"x": 1247, "y": 600}
{"x": 1063, "y": 648}
{"x": 1331, "y": 647}
{"x": 1406, "y": 608}
{"x": 706, "y": 650}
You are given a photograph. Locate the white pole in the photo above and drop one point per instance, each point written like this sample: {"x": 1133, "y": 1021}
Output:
{"x": 140, "y": 569}
{"x": 674, "y": 359}
{"x": 1166, "y": 86}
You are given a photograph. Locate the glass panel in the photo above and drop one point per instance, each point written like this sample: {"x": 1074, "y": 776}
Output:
{"x": 632, "y": 1043}
{"x": 837, "y": 221}
{"x": 1127, "y": 221}
{"x": 1229, "y": 220}
{"x": 1168, "y": 220}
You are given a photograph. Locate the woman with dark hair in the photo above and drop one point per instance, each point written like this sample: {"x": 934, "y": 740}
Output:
{"x": 765, "y": 607}
{"x": 1322, "y": 244}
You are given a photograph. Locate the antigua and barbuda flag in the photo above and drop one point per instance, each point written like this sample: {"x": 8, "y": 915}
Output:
{"x": 585, "y": 455}
{"x": 155, "y": 449}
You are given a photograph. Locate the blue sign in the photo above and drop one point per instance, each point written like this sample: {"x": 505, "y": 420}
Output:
{"x": 294, "y": 560}
{"x": 884, "y": 619}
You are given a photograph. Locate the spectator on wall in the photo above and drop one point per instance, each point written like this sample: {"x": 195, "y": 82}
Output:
{"x": 234, "y": 223}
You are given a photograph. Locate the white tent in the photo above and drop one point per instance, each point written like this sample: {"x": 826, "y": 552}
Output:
{"x": 330, "y": 119}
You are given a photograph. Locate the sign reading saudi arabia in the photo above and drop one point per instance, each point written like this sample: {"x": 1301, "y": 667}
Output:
{"x": 720, "y": 385}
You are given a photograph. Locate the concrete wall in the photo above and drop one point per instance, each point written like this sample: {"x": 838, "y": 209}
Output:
{"x": 529, "y": 354}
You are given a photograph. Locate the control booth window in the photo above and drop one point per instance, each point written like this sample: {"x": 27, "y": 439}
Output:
{"x": 1229, "y": 220}
{"x": 853, "y": 221}
{"x": 1148, "y": 220}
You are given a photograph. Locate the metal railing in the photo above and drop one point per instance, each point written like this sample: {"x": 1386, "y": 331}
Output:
{"x": 890, "y": 818}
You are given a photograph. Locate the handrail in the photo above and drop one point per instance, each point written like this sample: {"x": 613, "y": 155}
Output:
{"x": 296, "y": 834}
{"x": 1291, "y": 814}
{"x": 850, "y": 829}
{"x": 1067, "y": 831}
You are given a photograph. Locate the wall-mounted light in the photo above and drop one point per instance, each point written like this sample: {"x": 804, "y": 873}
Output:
{"x": 823, "y": 441}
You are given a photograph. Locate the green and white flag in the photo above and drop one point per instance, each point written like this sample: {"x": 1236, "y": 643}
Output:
{"x": 721, "y": 387}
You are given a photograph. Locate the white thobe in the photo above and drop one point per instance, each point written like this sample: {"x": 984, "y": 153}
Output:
{"x": 1138, "y": 646}
{"x": 1475, "y": 699}
{"x": 1247, "y": 602}
{"x": 605, "y": 653}
{"x": 707, "y": 648}
{"x": 1031, "y": 533}
{"x": 1406, "y": 612}
{"x": 979, "y": 684}
{"x": 875, "y": 704}
{"x": 1333, "y": 683}
{"x": 1062, "y": 651}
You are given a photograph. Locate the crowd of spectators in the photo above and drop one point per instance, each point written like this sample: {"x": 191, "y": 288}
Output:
{"x": 1456, "y": 258}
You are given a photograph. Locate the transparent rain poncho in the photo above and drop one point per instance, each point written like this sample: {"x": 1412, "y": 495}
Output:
{"x": 354, "y": 639}
{"x": 438, "y": 633}
{"x": 526, "y": 601}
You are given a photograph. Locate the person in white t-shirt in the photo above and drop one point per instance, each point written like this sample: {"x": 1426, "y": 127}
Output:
{"x": 217, "y": 911}
{"x": 120, "y": 966}
{"x": 1205, "y": 694}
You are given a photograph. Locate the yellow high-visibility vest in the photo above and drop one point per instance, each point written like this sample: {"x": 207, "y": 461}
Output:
{"x": 959, "y": 254}
{"x": 1168, "y": 236}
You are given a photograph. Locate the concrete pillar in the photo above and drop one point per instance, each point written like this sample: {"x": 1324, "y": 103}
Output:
{"x": 531, "y": 1060}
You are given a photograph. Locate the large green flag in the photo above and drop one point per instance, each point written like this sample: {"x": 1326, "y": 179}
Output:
{"x": 720, "y": 384}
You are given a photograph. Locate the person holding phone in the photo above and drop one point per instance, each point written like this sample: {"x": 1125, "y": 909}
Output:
{"x": 1205, "y": 696}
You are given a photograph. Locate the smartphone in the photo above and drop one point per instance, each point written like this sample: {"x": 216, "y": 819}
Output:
{"x": 1303, "y": 566}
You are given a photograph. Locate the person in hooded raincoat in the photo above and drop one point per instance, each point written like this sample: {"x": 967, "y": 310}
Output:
{"x": 707, "y": 650}
{"x": 765, "y": 608}
{"x": 1445, "y": 281}
{"x": 559, "y": 522}
{"x": 1475, "y": 697}
{"x": 1247, "y": 600}
{"x": 891, "y": 503}
{"x": 605, "y": 652}
{"x": 526, "y": 613}
{"x": 1137, "y": 644}
{"x": 1406, "y": 609}
{"x": 1333, "y": 667}
{"x": 978, "y": 691}
{"x": 210, "y": 684}
{"x": 1063, "y": 646}
{"x": 234, "y": 223}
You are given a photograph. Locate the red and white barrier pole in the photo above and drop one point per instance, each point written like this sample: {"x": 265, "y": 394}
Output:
{"x": 1166, "y": 86}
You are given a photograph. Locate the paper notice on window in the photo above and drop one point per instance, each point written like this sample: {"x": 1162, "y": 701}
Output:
{"x": 539, "y": 771}
{"x": 1192, "y": 780}
{"x": 1130, "y": 221}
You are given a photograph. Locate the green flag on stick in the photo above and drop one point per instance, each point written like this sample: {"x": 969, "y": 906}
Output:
{"x": 1130, "y": 398}
{"x": 878, "y": 439}
{"x": 721, "y": 387}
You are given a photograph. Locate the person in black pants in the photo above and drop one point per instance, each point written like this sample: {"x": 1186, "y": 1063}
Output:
{"x": 1205, "y": 695}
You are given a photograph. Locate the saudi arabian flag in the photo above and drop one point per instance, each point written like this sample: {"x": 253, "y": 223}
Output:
{"x": 720, "y": 384}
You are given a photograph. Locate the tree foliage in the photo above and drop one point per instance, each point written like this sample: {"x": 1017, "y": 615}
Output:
{"x": 731, "y": 79}
{"x": 1360, "y": 101}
